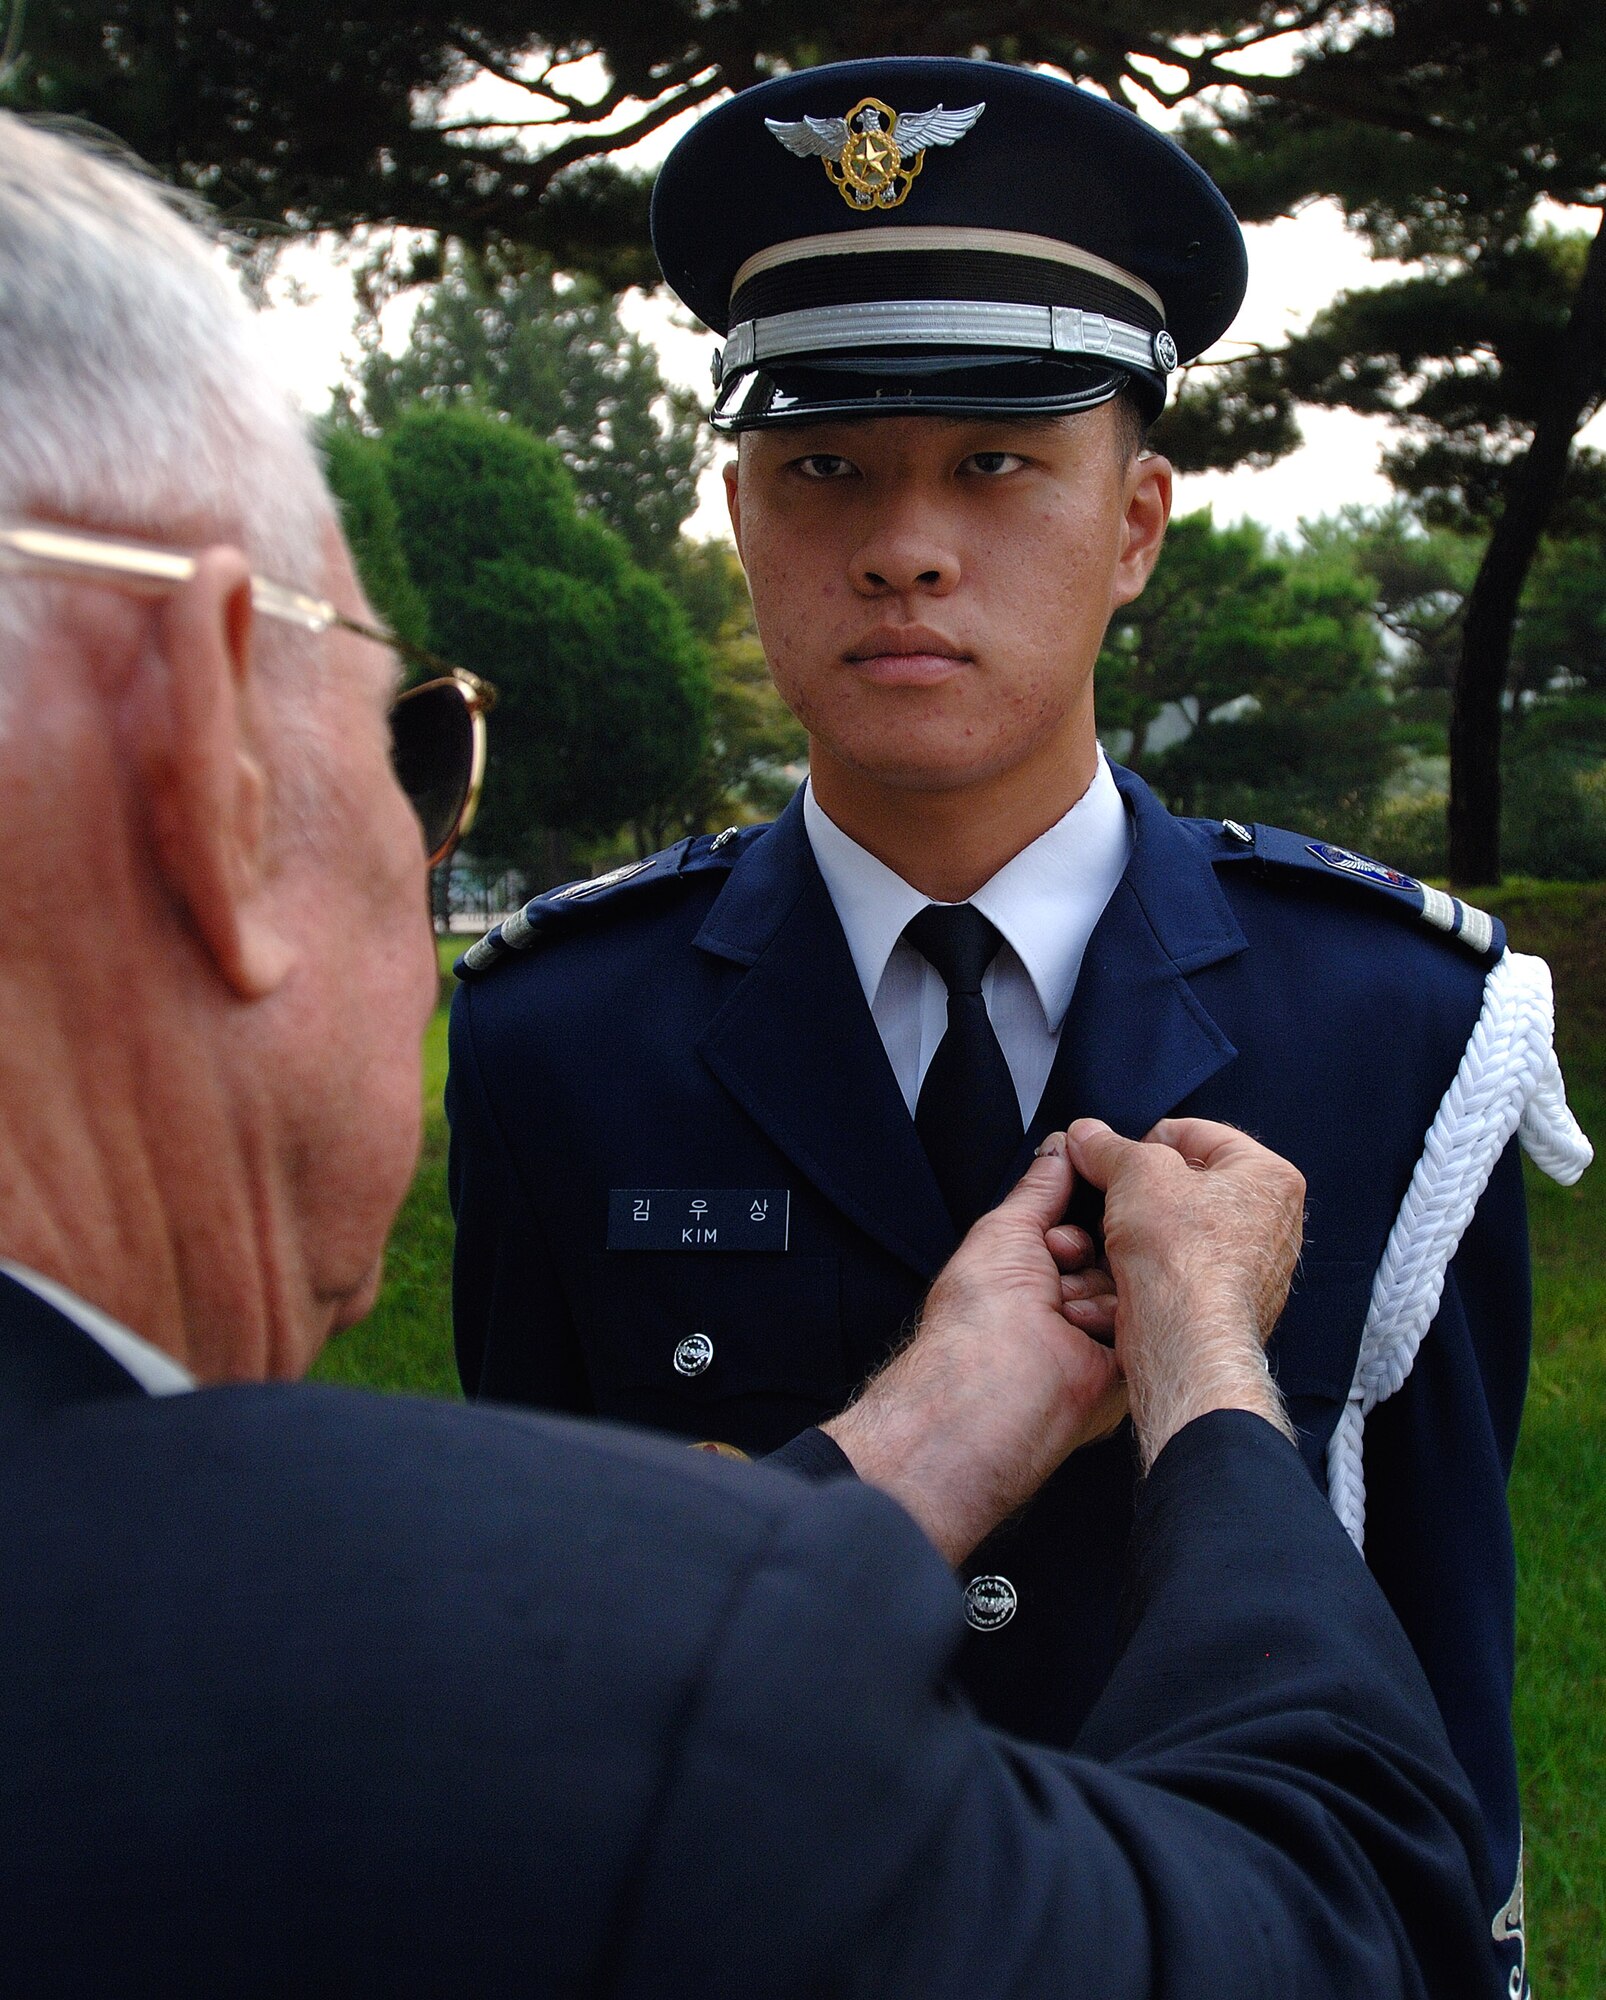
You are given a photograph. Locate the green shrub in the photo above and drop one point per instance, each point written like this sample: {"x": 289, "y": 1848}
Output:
{"x": 1410, "y": 833}
{"x": 1553, "y": 819}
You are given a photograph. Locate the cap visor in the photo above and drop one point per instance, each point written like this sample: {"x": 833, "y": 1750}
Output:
{"x": 917, "y": 385}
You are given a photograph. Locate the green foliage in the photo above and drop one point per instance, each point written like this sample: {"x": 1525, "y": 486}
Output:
{"x": 1458, "y": 360}
{"x": 1558, "y": 1488}
{"x": 1274, "y": 657}
{"x": 1410, "y": 833}
{"x": 508, "y": 336}
{"x": 603, "y": 686}
{"x": 1561, "y": 630}
{"x": 752, "y": 740}
{"x": 405, "y": 1343}
{"x": 1555, "y": 815}
{"x": 355, "y": 467}
{"x": 1436, "y": 124}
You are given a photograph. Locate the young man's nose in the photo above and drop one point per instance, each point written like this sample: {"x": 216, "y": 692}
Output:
{"x": 905, "y": 555}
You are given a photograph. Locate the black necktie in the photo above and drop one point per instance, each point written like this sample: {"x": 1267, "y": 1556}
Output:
{"x": 968, "y": 1115}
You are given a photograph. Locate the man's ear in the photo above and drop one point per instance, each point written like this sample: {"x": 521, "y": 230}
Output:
{"x": 206, "y": 789}
{"x": 1148, "y": 508}
{"x": 733, "y": 501}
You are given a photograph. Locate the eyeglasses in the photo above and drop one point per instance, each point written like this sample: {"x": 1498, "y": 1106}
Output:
{"x": 437, "y": 729}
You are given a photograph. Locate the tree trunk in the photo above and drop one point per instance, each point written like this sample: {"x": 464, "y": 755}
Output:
{"x": 1531, "y": 489}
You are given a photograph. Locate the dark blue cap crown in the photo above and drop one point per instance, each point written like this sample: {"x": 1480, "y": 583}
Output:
{"x": 931, "y": 234}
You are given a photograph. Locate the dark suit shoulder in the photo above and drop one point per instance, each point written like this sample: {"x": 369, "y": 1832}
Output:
{"x": 1329, "y": 876}
{"x": 620, "y": 896}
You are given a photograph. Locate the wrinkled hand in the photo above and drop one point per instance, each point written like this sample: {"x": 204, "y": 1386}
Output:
{"x": 1000, "y": 1382}
{"x": 1202, "y": 1228}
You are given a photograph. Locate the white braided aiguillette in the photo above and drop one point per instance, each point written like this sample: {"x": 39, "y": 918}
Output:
{"x": 1509, "y": 1081}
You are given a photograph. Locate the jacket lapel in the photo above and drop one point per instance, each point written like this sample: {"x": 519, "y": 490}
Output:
{"x": 1137, "y": 1039}
{"x": 46, "y": 1361}
{"x": 796, "y": 1046}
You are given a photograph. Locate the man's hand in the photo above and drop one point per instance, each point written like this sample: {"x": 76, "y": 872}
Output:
{"x": 1000, "y": 1383}
{"x": 1201, "y": 1231}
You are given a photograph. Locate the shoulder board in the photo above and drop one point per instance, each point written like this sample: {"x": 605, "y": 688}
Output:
{"x": 555, "y": 911}
{"x": 1273, "y": 850}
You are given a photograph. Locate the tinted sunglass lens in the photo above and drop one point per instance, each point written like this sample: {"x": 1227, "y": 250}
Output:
{"x": 432, "y": 749}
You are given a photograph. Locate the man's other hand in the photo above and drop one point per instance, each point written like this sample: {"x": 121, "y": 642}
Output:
{"x": 1001, "y": 1381}
{"x": 1202, "y": 1229}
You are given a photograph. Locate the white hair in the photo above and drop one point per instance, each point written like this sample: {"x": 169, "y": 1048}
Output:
{"x": 134, "y": 395}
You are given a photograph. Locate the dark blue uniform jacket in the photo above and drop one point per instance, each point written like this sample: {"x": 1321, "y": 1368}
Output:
{"x": 700, "y": 1027}
{"x": 305, "y": 1692}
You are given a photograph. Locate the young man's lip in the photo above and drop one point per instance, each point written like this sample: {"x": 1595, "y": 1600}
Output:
{"x": 916, "y": 644}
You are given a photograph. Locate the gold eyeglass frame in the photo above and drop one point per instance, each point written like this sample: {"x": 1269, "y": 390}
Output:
{"x": 42, "y": 548}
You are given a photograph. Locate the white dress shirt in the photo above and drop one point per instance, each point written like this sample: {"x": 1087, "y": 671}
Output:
{"x": 158, "y": 1374}
{"x": 1044, "y": 902}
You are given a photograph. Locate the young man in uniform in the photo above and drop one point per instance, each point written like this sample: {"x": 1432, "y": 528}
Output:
{"x": 719, "y": 1118}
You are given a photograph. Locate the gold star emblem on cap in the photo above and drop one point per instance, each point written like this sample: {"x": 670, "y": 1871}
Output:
{"x": 873, "y": 154}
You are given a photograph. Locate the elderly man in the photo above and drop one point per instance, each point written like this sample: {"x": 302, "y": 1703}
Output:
{"x": 309, "y": 1692}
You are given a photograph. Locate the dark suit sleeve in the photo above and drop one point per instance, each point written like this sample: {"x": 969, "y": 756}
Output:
{"x": 813, "y": 1455}
{"x": 504, "y": 1277}
{"x": 1273, "y": 1808}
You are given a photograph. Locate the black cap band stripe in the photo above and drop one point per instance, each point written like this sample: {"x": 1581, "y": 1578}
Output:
{"x": 1001, "y": 242}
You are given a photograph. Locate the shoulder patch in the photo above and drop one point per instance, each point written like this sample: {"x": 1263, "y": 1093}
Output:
{"x": 1271, "y": 849}
{"x": 558, "y": 910}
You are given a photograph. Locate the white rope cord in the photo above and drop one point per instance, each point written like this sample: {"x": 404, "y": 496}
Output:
{"x": 1508, "y": 1081}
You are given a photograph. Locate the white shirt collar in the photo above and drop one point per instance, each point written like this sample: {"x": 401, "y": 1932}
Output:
{"x": 158, "y": 1374}
{"x": 872, "y": 903}
{"x": 1045, "y": 901}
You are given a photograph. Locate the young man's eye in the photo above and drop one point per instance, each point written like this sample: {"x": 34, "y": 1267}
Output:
{"x": 824, "y": 465}
{"x": 991, "y": 464}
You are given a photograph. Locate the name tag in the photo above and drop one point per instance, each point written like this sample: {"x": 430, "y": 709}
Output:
{"x": 698, "y": 1218}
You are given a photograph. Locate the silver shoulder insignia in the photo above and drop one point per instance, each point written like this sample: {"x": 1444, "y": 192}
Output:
{"x": 596, "y": 883}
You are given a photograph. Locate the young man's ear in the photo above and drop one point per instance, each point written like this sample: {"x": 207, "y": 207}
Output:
{"x": 733, "y": 500}
{"x": 206, "y": 789}
{"x": 1148, "y": 509}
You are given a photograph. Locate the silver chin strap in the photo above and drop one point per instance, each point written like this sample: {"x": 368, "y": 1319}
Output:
{"x": 961, "y": 323}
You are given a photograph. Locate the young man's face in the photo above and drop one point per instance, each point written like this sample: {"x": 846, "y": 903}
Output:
{"x": 931, "y": 593}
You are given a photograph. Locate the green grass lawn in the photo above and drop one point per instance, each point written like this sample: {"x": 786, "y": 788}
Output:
{"x": 1558, "y": 1491}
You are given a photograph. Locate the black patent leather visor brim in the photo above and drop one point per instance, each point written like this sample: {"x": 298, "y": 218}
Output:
{"x": 922, "y": 385}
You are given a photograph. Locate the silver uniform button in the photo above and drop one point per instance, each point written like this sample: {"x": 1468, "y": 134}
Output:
{"x": 693, "y": 1354}
{"x": 990, "y": 1602}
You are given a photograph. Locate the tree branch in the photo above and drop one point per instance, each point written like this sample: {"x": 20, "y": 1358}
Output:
{"x": 1204, "y": 71}
{"x": 583, "y": 146}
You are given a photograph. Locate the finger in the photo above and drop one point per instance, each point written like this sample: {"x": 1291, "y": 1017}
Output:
{"x": 1096, "y": 1152}
{"x": 1094, "y": 1317}
{"x": 1070, "y": 1247}
{"x": 1040, "y": 1195}
{"x": 1203, "y": 1142}
{"x": 1093, "y": 1284}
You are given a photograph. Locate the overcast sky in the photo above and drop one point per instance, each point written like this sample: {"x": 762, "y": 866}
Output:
{"x": 1295, "y": 267}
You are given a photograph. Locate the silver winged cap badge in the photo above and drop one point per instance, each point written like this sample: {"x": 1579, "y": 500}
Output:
{"x": 873, "y": 154}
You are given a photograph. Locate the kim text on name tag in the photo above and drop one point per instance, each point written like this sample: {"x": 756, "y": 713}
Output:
{"x": 698, "y": 1218}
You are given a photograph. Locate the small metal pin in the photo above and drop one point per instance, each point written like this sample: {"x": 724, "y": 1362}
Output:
{"x": 990, "y": 1602}
{"x": 693, "y": 1354}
